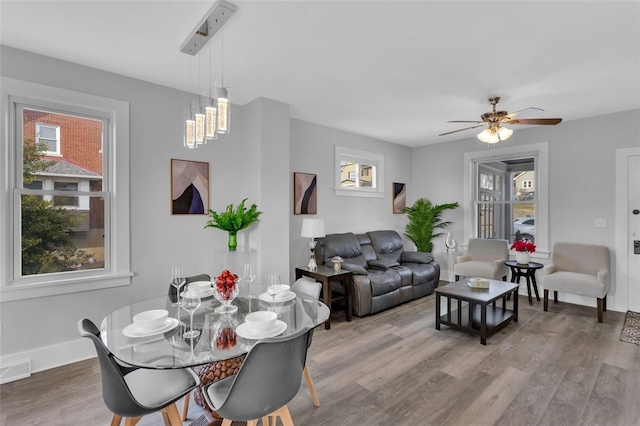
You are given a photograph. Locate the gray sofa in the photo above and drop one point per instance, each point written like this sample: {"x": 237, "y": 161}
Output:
{"x": 384, "y": 274}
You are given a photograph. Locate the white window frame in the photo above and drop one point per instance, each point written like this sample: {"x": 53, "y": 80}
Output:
{"x": 115, "y": 179}
{"x": 540, "y": 152}
{"x": 360, "y": 157}
{"x": 55, "y": 153}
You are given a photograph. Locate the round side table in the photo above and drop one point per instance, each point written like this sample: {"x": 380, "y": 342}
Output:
{"x": 527, "y": 271}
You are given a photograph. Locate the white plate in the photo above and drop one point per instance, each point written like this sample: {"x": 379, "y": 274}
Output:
{"x": 132, "y": 330}
{"x": 242, "y": 331}
{"x": 266, "y": 297}
{"x": 203, "y": 294}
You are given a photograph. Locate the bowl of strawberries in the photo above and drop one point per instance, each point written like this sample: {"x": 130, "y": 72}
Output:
{"x": 225, "y": 290}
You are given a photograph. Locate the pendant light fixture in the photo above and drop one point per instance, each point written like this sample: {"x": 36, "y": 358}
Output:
{"x": 209, "y": 114}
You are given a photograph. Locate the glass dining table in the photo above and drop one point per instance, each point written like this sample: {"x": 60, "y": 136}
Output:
{"x": 222, "y": 336}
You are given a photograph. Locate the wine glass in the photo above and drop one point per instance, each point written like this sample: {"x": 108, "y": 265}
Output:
{"x": 273, "y": 288}
{"x": 249, "y": 274}
{"x": 190, "y": 302}
{"x": 177, "y": 280}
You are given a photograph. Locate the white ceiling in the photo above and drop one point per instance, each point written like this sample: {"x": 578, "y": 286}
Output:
{"x": 393, "y": 70}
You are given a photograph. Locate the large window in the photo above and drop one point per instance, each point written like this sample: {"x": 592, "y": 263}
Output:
{"x": 65, "y": 232}
{"x": 507, "y": 192}
{"x": 358, "y": 173}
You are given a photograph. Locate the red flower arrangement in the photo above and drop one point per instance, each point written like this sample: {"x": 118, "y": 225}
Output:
{"x": 520, "y": 245}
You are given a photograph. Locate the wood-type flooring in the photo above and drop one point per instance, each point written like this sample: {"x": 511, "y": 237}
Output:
{"x": 559, "y": 367}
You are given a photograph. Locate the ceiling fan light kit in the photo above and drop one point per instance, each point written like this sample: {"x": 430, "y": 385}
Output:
{"x": 495, "y": 131}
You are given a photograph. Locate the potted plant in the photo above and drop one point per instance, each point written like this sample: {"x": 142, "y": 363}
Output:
{"x": 424, "y": 221}
{"x": 523, "y": 249}
{"x": 233, "y": 221}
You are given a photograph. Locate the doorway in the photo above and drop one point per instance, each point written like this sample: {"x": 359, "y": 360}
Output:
{"x": 628, "y": 227}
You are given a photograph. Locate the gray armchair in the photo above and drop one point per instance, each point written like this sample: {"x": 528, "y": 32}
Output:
{"x": 578, "y": 269}
{"x": 484, "y": 259}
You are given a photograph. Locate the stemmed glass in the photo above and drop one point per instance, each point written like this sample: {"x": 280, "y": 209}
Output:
{"x": 249, "y": 274}
{"x": 273, "y": 288}
{"x": 190, "y": 302}
{"x": 177, "y": 280}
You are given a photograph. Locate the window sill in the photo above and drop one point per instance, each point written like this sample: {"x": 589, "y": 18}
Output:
{"x": 64, "y": 286}
{"x": 341, "y": 192}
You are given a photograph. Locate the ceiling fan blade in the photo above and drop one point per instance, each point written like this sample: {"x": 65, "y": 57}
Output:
{"x": 460, "y": 130}
{"x": 539, "y": 121}
{"x": 464, "y": 121}
{"x": 530, "y": 111}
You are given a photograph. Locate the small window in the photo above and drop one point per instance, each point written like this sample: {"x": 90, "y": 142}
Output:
{"x": 63, "y": 200}
{"x": 358, "y": 173}
{"x": 50, "y": 136}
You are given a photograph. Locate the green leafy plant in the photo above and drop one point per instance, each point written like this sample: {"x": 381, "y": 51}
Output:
{"x": 233, "y": 221}
{"x": 424, "y": 222}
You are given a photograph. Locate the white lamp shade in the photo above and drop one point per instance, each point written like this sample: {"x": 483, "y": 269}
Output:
{"x": 504, "y": 133}
{"x": 312, "y": 228}
{"x": 488, "y": 136}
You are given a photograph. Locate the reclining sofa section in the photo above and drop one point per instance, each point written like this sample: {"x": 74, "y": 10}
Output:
{"x": 384, "y": 275}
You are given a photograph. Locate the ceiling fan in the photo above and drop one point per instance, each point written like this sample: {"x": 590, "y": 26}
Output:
{"x": 494, "y": 120}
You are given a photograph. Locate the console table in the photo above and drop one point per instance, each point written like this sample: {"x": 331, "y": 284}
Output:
{"x": 327, "y": 275}
{"x": 483, "y": 316}
{"x": 519, "y": 270}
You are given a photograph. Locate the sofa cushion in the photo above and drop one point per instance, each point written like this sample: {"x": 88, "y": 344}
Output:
{"x": 354, "y": 269}
{"x": 416, "y": 257}
{"x": 383, "y": 282}
{"x": 477, "y": 268}
{"x": 421, "y": 272}
{"x": 575, "y": 283}
{"x": 388, "y": 245}
{"x": 383, "y": 263}
{"x": 345, "y": 245}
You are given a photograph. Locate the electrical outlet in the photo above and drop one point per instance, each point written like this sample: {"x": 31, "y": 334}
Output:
{"x": 601, "y": 223}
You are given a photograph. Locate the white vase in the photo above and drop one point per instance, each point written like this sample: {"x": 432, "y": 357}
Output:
{"x": 522, "y": 257}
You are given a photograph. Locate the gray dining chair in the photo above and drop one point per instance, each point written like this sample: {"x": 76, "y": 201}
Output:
{"x": 132, "y": 392}
{"x": 312, "y": 289}
{"x": 267, "y": 381}
{"x": 173, "y": 296}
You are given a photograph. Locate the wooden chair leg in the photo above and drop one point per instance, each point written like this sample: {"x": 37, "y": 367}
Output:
{"x": 604, "y": 303}
{"x": 285, "y": 416}
{"x": 226, "y": 422}
{"x": 600, "y": 303}
{"x": 555, "y": 296}
{"x": 252, "y": 423}
{"x": 165, "y": 418}
{"x": 131, "y": 421}
{"x": 172, "y": 414}
{"x": 312, "y": 388}
{"x": 265, "y": 421}
{"x": 457, "y": 278}
{"x": 185, "y": 406}
{"x": 115, "y": 420}
{"x": 546, "y": 300}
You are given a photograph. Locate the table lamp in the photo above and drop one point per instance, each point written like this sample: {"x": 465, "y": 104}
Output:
{"x": 312, "y": 228}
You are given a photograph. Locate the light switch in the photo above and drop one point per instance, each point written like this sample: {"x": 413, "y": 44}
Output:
{"x": 601, "y": 223}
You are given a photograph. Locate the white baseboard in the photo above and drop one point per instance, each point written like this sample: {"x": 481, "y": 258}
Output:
{"x": 52, "y": 356}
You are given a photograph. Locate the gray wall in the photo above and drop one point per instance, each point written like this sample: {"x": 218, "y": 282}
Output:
{"x": 582, "y": 161}
{"x": 257, "y": 161}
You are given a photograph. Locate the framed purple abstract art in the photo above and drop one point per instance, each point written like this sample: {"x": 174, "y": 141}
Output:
{"x": 305, "y": 193}
{"x": 189, "y": 187}
{"x": 399, "y": 197}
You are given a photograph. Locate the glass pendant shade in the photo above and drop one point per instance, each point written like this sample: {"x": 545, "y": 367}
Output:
{"x": 198, "y": 117}
{"x": 189, "y": 129}
{"x": 210, "y": 117}
{"x": 222, "y": 103}
{"x": 489, "y": 136}
{"x": 504, "y": 133}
